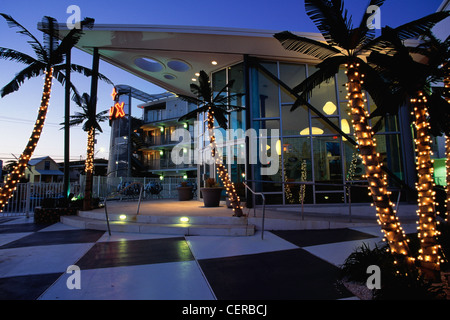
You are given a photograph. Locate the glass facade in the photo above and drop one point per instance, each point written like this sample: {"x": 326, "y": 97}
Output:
{"x": 308, "y": 148}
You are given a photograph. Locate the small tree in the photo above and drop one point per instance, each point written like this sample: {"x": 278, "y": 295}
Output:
{"x": 91, "y": 124}
{"x": 216, "y": 108}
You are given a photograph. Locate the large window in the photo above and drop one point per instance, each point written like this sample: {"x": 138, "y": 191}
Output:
{"x": 312, "y": 149}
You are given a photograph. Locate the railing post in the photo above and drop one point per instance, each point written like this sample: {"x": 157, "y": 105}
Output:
{"x": 28, "y": 199}
{"x": 348, "y": 187}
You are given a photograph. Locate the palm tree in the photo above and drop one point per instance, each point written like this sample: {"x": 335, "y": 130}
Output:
{"x": 437, "y": 54}
{"x": 91, "y": 123}
{"x": 216, "y": 108}
{"x": 345, "y": 45}
{"x": 412, "y": 80}
{"x": 49, "y": 60}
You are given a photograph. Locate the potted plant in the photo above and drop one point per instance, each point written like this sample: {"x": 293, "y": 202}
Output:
{"x": 184, "y": 191}
{"x": 211, "y": 193}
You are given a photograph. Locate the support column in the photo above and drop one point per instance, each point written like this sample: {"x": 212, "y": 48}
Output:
{"x": 66, "y": 188}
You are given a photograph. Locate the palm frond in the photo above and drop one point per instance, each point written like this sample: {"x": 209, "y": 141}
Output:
{"x": 219, "y": 96}
{"x": 59, "y": 75}
{"x": 204, "y": 88}
{"x": 326, "y": 70}
{"x": 406, "y": 31}
{"x": 332, "y": 20}
{"x": 362, "y": 35}
{"x": 51, "y": 33}
{"x": 73, "y": 37}
{"x": 13, "y": 55}
{"x": 314, "y": 48}
{"x": 35, "y": 44}
{"x": 420, "y": 26}
{"x": 193, "y": 113}
{"x": 88, "y": 72}
{"x": 190, "y": 99}
{"x": 33, "y": 70}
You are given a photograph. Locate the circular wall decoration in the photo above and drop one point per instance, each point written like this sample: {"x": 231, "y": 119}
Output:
{"x": 148, "y": 64}
{"x": 169, "y": 76}
{"x": 178, "y": 65}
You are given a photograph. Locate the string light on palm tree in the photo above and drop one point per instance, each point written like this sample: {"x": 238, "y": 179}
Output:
{"x": 345, "y": 45}
{"x": 91, "y": 123}
{"x": 49, "y": 60}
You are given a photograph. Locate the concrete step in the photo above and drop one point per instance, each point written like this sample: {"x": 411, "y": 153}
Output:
{"x": 132, "y": 225}
{"x": 164, "y": 219}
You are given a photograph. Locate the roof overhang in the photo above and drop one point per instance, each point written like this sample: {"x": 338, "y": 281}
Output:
{"x": 177, "y": 53}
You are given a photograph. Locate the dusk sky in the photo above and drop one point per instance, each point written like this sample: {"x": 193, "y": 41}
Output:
{"x": 18, "y": 110}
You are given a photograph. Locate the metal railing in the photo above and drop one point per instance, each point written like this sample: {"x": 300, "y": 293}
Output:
{"x": 254, "y": 208}
{"x": 346, "y": 189}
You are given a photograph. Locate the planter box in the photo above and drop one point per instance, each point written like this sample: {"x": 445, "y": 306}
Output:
{"x": 52, "y": 215}
{"x": 184, "y": 193}
{"x": 211, "y": 196}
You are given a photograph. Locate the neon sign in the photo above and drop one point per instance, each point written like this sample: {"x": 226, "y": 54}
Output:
{"x": 116, "y": 111}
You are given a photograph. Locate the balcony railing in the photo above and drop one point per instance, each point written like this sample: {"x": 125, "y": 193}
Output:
{"x": 161, "y": 140}
{"x": 164, "y": 164}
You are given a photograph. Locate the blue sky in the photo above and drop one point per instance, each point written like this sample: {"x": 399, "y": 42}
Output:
{"x": 18, "y": 110}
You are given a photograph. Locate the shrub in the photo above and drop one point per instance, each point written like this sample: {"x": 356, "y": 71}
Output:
{"x": 397, "y": 281}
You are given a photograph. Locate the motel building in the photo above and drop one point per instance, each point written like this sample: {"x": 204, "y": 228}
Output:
{"x": 315, "y": 162}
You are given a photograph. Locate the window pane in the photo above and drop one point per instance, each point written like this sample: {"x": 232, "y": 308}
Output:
{"x": 297, "y": 159}
{"x": 390, "y": 152}
{"x": 237, "y": 118}
{"x": 319, "y": 126}
{"x": 292, "y": 75}
{"x": 219, "y": 80}
{"x": 265, "y": 94}
{"x": 323, "y": 97}
{"x": 353, "y": 166}
{"x": 294, "y": 122}
{"x": 327, "y": 160}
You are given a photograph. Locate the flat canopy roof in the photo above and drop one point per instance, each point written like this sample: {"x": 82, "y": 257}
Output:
{"x": 170, "y": 56}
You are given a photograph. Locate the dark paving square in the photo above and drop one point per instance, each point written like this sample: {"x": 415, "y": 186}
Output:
{"x": 21, "y": 227}
{"x": 55, "y": 237}
{"x": 136, "y": 252}
{"x": 281, "y": 275}
{"x": 28, "y": 287}
{"x": 305, "y": 238}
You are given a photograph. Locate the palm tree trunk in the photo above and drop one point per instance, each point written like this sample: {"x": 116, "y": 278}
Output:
{"x": 429, "y": 247}
{"x": 89, "y": 169}
{"x": 387, "y": 218}
{"x": 223, "y": 174}
{"x": 19, "y": 170}
{"x": 447, "y": 143}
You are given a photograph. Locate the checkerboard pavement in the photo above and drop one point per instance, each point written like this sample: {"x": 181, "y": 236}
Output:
{"x": 285, "y": 265}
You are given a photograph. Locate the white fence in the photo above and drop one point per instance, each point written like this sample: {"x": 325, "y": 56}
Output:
{"x": 27, "y": 196}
